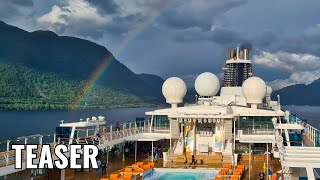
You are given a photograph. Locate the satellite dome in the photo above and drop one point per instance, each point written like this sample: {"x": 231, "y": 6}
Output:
{"x": 254, "y": 90}
{"x": 207, "y": 84}
{"x": 174, "y": 89}
{"x": 269, "y": 91}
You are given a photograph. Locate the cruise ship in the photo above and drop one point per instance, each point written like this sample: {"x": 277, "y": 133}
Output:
{"x": 235, "y": 135}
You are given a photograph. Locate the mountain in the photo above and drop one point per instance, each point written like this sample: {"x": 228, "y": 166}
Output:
{"x": 299, "y": 94}
{"x": 154, "y": 81}
{"x": 67, "y": 59}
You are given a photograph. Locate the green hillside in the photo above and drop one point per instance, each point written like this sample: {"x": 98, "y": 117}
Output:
{"x": 24, "y": 88}
{"x": 41, "y": 70}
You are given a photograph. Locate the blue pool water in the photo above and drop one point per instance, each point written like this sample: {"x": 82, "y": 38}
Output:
{"x": 181, "y": 174}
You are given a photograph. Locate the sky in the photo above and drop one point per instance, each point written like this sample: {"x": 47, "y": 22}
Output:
{"x": 187, "y": 37}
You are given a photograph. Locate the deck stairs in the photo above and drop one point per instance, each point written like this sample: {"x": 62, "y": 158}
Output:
{"x": 179, "y": 148}
{"x": 227, "y": 154}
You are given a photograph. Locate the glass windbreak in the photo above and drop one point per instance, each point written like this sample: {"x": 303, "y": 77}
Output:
{"x": 259, "y": 122}
{"x": 160, "y": 120}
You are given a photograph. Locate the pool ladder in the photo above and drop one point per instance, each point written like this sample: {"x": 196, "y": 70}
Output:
{"x": 155, "y": 175}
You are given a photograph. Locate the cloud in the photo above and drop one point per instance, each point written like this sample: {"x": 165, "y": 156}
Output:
{"x": 106, "y": 7}
{"x": 312, "y": 34}
{"x": 89, "y": 19}
{"x": 302, "y": 68}
{"x": 13, "y": 8}
{"x": 279, "y": 83}
{"x": 197, "y": 13}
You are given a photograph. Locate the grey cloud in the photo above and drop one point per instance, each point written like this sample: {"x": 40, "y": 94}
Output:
{"x": 226, "y": 37}
{"x": 105, "y": 6}
{"x": 18, "y": 2}
{"x": 312, "y": 34}
{"x": 201, "y": 13}
{"x": 9, "y": 9}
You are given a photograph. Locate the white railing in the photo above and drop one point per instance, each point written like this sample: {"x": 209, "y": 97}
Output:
{"x": 7, "y": 156}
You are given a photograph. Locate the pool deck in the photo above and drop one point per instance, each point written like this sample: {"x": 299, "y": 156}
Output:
{"x": 116, "y": 164}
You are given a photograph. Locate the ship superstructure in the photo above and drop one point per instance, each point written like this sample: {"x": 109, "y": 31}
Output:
{"x": 237, "y": 69}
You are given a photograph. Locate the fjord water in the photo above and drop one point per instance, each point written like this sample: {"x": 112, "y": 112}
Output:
{"x": 21, "y": 123}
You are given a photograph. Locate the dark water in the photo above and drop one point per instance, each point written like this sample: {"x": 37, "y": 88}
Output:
{"x": 20, "y": 123}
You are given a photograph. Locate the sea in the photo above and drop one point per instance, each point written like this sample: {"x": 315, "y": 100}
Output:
{"x": 15, "y": 124}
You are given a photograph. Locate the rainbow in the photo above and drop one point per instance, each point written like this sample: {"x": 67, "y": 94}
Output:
{"x": 105, "y": 63}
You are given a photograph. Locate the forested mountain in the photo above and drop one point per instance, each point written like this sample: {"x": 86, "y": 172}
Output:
{"x": 43, "y": 67}
{"x": 300, "y": 94}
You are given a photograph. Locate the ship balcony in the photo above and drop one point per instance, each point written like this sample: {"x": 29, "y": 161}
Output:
{"x": 249, "y": 135}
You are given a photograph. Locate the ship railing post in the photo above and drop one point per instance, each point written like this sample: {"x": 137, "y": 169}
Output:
{"x": 87, "y": 132}
{"x": 111, "y": 133}
{"x": 135, "y": 125}
{"x": 7, "y": 154}
{"x": 58, "y": 140}
{"x": 54, "y": 139}
{"x": 40, "y": 140}
{"x": 309, "y": 132}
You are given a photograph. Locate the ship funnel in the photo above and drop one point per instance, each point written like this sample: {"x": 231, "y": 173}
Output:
{"x": 241, "y": 54}
{"x": 246, "y": 54}
{"x": 232, "y": 53}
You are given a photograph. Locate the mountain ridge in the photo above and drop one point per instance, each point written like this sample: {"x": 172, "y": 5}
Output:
{"x": 71, "y": 59}
{"x": 300, "y": 94}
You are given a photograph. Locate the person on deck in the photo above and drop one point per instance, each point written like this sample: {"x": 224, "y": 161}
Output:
{"x": 156, "y": 158}
{"x": 193, "y": 160}
{"x": 99, "y": 165}
{"x": 274, "y": 176}
{"x": 104, "y": 168}
{"x": 185, "y": 159}
{"x": 269, "y": 173}
{"x": 261, "y": 175}
{"x": 117, "y": 126}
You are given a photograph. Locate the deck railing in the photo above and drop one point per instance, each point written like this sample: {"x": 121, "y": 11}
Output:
{"x": 7, "y": 155}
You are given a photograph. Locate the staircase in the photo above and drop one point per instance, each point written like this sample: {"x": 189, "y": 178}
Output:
{"x": 179, "y": 148}
{"x": 227, "y": 154}
{"x": 174, "y": 129}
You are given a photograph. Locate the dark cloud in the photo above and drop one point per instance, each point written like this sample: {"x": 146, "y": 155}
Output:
{"x": 246, "y": 45}
{"x": 201, "y": 13}
{"x": 226, "y": 37}
{"x": 105, "y": 6}
{"x": 19, "y": 2}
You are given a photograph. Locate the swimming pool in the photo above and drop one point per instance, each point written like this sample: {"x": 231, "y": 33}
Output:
{"x": 181, "y": 174}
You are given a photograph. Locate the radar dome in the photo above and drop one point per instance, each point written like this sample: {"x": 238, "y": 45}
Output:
{"x": 269, "y": 91}
{"x": 174, "y": 89}
{"x": 207, "y": 84}
{"x": 254, "y": 90}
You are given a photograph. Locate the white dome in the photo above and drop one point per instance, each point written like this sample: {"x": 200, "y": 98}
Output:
{"x": 174, "y": 89}
{"x": 207, "y": 84}
{"x": 269, "y": 91}
{"x": 254, "y": 90}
